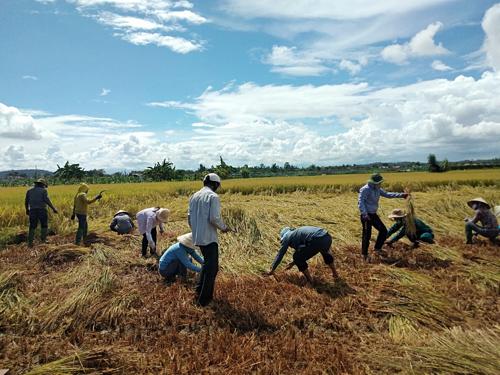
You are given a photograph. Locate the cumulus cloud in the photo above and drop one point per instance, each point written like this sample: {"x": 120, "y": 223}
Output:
{"x": 16, "y": 125}
{"x": 147, "y": 22}
{"x": 14, "y": 154}
{"x": 104, "y": 92}
{"x": 440, "y": 66}
{"x": 422, "y": 44}
{"x": 288, "y": 61}
{"x": 491, "y": 27}
{"x": 33, "y": 78}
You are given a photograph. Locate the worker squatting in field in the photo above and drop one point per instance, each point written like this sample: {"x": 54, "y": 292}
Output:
{"x": 482, "y": 213}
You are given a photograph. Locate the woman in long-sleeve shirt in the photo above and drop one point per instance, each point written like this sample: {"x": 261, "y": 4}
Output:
{"x": 400, "y": 229}
{"x": 147, "y": 221}
{"x": 175, "y": 260}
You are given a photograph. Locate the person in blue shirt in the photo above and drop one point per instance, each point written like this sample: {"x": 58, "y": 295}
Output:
{"x": 307, "y": 242}
{"x": 175, "y": 260}
{"x": 368, "y": 198}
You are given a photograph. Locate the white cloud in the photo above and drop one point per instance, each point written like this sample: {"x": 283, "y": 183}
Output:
{"x": 33, "y": 78}
{"x": 15, "y": 154}
{"x": 146, "y": 22}
{"x": 16, "y": 125}
{"x": 351, "y": 66}
{"x": 491, "y": 27}
{"x": 287, "y": 60}
{"x": 104, "y": 92}
{"x": 422, "y": 44}
{"x": 176, "y": 44}
{"x": 440, "y": 66}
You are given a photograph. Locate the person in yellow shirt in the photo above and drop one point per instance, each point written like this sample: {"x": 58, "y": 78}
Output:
{"x": 80, "y": 210}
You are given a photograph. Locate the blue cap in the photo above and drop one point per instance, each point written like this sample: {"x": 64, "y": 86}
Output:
{"x": 284, "y": 231}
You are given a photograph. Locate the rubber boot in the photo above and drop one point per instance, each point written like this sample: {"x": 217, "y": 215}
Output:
{"x": 43, "y": 235}
{"x": 31, "y": 236}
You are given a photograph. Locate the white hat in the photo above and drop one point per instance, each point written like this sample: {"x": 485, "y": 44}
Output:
{"x": 163, "y": 214}
{"x": 187, "y": 240}
{"x": 212, "y": 177}
{"x": 497, "y": 211}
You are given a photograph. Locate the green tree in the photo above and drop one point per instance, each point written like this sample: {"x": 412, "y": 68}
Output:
{"x": 433, "y": 164}
{"x": 164, "y": 171}
{"x": 69, "y": 172}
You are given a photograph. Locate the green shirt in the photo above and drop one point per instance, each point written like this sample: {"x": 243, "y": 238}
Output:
{"x": 401, "y": 227}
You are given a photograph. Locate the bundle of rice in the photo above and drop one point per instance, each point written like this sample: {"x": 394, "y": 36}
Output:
{"x": 411, "y": 229}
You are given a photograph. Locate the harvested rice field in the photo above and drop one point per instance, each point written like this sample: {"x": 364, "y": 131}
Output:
{"x": 102, "y": 309}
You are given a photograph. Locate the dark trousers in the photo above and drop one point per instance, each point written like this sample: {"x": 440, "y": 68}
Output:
{"x": 206, "y": 282}
{"x": 81, "y": 232}
{"x": 367, "y": 233}
{"x": 471, "y": 228}
{"x": 38, "y": 215}
{"x": 145, "y": 242}
{"x": 317, "y": 245}
{"x": 173, "y": 269}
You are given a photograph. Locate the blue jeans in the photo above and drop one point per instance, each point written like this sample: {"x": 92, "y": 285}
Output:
{"x": 81, "y": 232}
{"x": 38, "y": 215}
{"x": 173, "y": 269}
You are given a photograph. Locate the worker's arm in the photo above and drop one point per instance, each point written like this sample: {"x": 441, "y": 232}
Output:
{"x": 477, "y": 217}
{"x": 26, "y": 202}
{"x": 393, "y": 229}
{"x": 387, "y": 194}
{"x": 215, "y": 214}
{"x": 279, "y": 257}
{"x": 362, "y": 202}
{"x": 183, "y": 258}
{"x": 46, "y": 199}
{"x": 150, "y": 224}
{"x": 398, "y": 235}
{"x": 113, "y": 225}
{"x": 196, "y": 256}
{"x": 90, "y": 201}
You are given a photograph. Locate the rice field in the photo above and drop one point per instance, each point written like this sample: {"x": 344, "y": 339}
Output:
{"x": 66, "y": 309}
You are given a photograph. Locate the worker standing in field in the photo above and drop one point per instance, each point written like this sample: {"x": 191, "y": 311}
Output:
{"x": 482, "y": 214}
{"x": 122, "y": 223}
{"x": 80, "y": 210}
{"x": 307, "y": 242}
{"x": 368, "y": 198}
{"x": 204, "y": 218}
{"x": 175, "y": 261}
{"x": 35, "y": 203}
{"x": 400, "y": 228}
{"x": 147, "y": 221}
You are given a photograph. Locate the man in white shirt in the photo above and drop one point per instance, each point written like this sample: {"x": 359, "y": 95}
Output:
{"x": 204, "y": 218}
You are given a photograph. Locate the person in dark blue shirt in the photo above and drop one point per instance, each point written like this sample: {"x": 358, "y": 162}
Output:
{"x": 307, "y": 242}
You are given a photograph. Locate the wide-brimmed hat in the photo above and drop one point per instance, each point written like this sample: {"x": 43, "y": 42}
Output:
{"x": 162, "y": 214}
{"x": 119, "y": 212}
{"x": 397, "y": 213}
{"x": 284, "y": 231}
{"x": 478, "y": 200}
{"x": 212, "y": 177}
{"x": 187, "y": 240}
{"x": 42, "y": 181}
{"x": 376, "y": 178}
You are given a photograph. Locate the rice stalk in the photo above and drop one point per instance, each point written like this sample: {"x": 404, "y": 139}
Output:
{"x": 401, "y": 329}
{"x": 411, "y": 229}
{"x": 92, "y": 361}
{"x": 413, "y": 297}
{"x": 71, "y": 312}
{"x": 486, "y": 276}
{"x": 455, "y": 351}
{"x": 58, "y": 255}
{"x": 109, "y": 312}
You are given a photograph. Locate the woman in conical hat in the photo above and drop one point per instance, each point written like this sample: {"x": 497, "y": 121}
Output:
{"x": 483, "y": 215}
{"x": 423, "y": 232}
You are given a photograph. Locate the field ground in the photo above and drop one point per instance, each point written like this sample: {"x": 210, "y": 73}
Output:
{"x": 102, "y": 309}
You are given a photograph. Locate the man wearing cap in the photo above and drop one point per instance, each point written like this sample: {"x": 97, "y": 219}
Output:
{"x": 122, "y": 223}
{"x": 483, "y": 215}
{"x": 147, "y": 221}
{"x": 35, "y": 203}
{"x": 175, "y": 260}
{"x": 307, "y": 242}
{"x": 423, "y": 232}
{"x": 80, "y": 210}
{"x": 368, "y": 198}
{"x": 204, "y": 218}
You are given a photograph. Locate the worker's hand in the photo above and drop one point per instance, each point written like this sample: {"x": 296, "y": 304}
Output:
{"x": 98, "y": 197}
{"x": 289, "y": 266}
{"x": 405, "y": 195}
{"x": 365, "y": 217}
{"x": 227, "y": 229}
{"x": 72, "y": 216}
{"x": 55, "y": 211}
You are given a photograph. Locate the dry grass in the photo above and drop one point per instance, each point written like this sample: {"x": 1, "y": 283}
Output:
{"x": 73, "y": 300}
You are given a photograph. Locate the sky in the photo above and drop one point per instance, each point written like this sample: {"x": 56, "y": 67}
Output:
{"x": 122, "y": 84}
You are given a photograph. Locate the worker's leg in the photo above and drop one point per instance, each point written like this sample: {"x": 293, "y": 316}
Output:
{"x": 81, "y": 232}
{"x": 170, "y": 272}
{"x": 153, "y": 235}
{"x": 326, "y": 253}
{"x": 33, "y": 218}
{"x": 206, "y": 283}
{"x": 382, "y": 231}
{"x": 44, "y": 223}
{"x": 426, "y": 237}
{"x": 471, "y": 228}
{"x": 144, "y": 249}
{"x": 367, "y": 234}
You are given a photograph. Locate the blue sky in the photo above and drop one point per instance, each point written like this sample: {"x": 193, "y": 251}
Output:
{"x": 121, "y": 84}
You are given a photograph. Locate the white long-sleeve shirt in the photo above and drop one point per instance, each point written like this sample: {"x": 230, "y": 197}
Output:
{"x": 146, "y": 221}
{"x": 204, "y": 217}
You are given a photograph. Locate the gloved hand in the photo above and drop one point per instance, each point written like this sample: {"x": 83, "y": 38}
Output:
{"x": 405, "y": 195}
{"x": 72, "y": 216}
{"x": 98, "y": 197}
{"x": 365, "y": 217}
{"x": 55, "y": 210}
